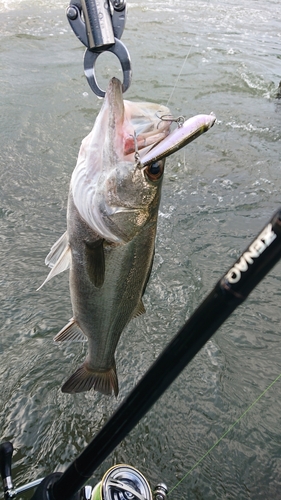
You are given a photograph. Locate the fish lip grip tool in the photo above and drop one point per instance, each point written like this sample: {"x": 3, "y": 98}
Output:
{"x": 99, "y": 25}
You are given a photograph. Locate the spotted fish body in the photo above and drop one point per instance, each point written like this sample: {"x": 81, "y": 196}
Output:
{"x": 111, "y": 227}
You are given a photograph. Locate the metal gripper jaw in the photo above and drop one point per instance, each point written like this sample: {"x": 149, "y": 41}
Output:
{"x": 99, "y": 25}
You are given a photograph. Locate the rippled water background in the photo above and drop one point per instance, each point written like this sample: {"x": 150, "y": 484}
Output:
{"x": 218, "y": 193}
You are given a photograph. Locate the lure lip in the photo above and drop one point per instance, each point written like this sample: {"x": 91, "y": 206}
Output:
{"x": 183, "y": 135}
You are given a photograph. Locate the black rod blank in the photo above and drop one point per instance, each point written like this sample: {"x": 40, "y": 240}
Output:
{"x": 263, "y": 253}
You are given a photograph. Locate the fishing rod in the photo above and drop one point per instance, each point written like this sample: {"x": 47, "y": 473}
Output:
{"x": 229, "y": 292}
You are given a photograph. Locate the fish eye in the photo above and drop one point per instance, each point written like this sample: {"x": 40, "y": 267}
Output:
{"x": 155, "y": 170}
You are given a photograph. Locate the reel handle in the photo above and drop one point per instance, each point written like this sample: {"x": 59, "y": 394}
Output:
{"x": 6, "y": 453}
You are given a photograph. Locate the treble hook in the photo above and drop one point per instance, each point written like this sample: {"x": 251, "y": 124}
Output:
{"x": 169, "y": 118}
{"x": 138, "y": 163}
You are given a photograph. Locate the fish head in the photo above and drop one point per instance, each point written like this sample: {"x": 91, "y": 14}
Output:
{"x": 111, "y": 190}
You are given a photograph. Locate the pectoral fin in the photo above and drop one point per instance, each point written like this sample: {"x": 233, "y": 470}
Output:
{"x": 84, "y": 379}
{"x": 71, "y": 332}
{"x": 95, "y": 263}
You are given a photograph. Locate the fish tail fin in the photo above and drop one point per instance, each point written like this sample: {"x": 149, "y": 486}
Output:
{"x": 85, "y": 379}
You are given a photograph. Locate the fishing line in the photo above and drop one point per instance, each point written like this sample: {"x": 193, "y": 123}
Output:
{"x": 181, "y": 70}
{"x": 225, "y": 434}
{"x": 178, "y": 77}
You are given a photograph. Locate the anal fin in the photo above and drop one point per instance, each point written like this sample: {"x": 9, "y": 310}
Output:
{"x": 85, "y": 379}
{"x": 140, "y": 309}
{"x": 71, "y": 332}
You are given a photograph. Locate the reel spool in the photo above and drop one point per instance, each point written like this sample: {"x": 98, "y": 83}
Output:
{"x": 122, "y": 482}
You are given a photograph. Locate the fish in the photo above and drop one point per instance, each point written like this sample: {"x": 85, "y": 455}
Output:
{"x": 109, "y": 243}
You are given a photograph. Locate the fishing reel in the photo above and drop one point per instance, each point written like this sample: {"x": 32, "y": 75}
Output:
{"x": 123, "y": 482}
{"x": 120, "y": 482}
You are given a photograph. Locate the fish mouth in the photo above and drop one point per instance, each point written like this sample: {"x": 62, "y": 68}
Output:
{"x": 132, "y": 127}
{"x": 114, "y": 110}
{"x": 143, "y": 128}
